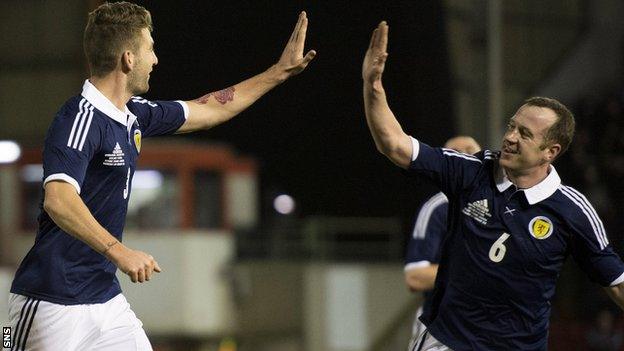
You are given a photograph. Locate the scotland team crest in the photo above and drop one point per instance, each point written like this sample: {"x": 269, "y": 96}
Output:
{"x": 137, "y": 139}
{"x": 541, "y": 227}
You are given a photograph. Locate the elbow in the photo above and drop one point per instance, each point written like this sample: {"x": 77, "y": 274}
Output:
{"x": 395, "y": 153}
{"x": 387, "y": 146}
{"x": 52, "y": 205}
{"x": 382, "y": 148}
{"x": 392, "y": 142}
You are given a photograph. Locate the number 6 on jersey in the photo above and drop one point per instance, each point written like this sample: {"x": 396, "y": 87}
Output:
{"x": 498, "y": 250}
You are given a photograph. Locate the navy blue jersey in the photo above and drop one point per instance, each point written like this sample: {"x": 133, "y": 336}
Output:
{"x": 504, "y": 251}
{"x": 423, "y": 248}
{"x": 94, "y": 146}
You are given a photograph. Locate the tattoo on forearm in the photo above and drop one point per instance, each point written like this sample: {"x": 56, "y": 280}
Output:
{"x": 109, "y": 245}
{"x": 222, "y": 96}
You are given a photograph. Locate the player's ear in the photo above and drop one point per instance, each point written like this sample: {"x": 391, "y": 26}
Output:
{"x": 552, "y": 151}
{"x": 127, "y": 61}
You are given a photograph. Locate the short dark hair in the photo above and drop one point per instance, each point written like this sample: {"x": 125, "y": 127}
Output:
{"x": 111, "y": 29}
{"x": 562, "y": 131}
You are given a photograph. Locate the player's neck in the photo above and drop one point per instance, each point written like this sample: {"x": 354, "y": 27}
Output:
{"x": 113, "y": 86}
{"x": 528, "y": 178}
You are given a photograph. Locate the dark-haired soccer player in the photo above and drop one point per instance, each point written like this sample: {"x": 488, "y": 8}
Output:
{"x": 511, "y": 223}
{"x": 65, "y": 295}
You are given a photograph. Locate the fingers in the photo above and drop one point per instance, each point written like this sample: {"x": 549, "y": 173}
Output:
{"x": 134, "y": 276}
{"x": 141, "y": 275}
{"x": 157, "y": 268}
{"x": 295, "y": 32}
{"x": 301, "y": 32}
{"x": 382, "y": 38}
{"x": 379, "y": 38}
{"x": 149, "y": 268}
{"x": 308, "y": 57}
{"x": 143, "y": 268}
{"x": 373, "y": 39}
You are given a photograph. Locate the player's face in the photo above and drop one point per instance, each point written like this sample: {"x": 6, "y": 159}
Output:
{"x": 523, "y": 143}
{"x": 138, "y": 78}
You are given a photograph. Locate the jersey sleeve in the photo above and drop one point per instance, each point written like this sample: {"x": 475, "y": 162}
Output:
{"x": 424, "y": 245}
{"x": 450, "y": 170}
{"x": 589, "y": 243}
{"x": 158, "y": 117}
{"x": 71, "y": 143}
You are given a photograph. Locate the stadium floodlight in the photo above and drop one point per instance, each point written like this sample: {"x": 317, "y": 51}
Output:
{"x": 10, "y": 151}
{"x": 147, "y": 179}
{"x": 284, "y": 204}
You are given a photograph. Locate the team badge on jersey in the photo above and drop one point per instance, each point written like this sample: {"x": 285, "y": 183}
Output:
{"x": 137, "y": 139}
{"x": 541, "y": 227}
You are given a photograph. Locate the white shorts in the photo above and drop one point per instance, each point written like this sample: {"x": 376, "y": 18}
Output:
{"x": 43, "y": 326}
{"x": 418, "y": 327}
{"x": 426, "y": 342}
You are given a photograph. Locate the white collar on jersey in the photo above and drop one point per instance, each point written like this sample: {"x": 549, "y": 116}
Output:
{"x": 102, "y": 103}
{"x": 538, "y": 192}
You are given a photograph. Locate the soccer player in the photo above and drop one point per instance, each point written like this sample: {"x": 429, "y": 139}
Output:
{"x": 423, "y": 249}
{"x": 512, "y": 223}
{"x": 65, "y": 295}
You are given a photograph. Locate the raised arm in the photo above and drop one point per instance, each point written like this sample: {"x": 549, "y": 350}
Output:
{"x": 70, "y": 213}
{"x": 386, "y": 130}
{"x": 218, "y": 107}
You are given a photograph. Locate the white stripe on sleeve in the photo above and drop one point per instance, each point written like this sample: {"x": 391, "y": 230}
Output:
{"x": 449, "y": 152}
{"x": 80, "y": 129}
{"x": 422, "y": 221}
{"x": 600, "y": 237}
{"x": 81, "y": 110}
{"x": 84, "y": 135}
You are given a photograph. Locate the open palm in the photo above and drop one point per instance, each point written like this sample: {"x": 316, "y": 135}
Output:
{"x": 375, "y": 59}
{"x": 292, "y": 60}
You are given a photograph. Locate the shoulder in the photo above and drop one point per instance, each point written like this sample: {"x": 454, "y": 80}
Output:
{"x": 572, "y": 201}
{"x": 138, "y": 101}
{"x": 139, "y": 105}
{"x": 72, "y": 107}
{"x": 477, "y": 158}
{"x": 488, "y": 157}
{"x": 76, "y": 119}
{"x": 481, "y": 160}
{"x": 579, "y": 212}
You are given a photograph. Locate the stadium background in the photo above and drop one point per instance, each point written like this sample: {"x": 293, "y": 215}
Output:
{"x": 328, "y": 274}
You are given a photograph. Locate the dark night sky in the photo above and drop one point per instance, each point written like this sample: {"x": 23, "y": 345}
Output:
{"x": 310, "y": 135}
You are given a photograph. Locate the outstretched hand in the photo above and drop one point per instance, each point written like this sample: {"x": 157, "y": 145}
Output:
{"x": 292, "y": 61}
{"x": 376, "y": 55}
